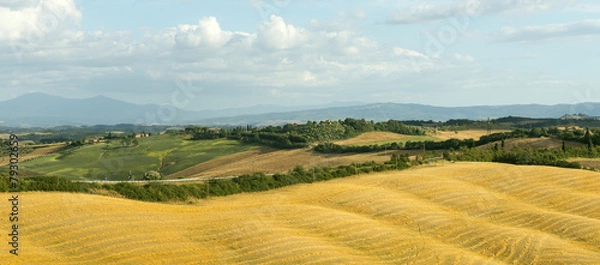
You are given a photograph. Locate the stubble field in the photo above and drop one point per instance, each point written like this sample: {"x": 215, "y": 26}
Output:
{"x": 456, "y": 213}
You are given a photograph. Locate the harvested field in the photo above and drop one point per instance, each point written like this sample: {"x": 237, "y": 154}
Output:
{"x": 587, "y": 162}
{"x": 270, "y": 160}
{"x": 388, "y": 137}
{"x": 461, "y": 213}
{"x": 38, "y": 152}
{"x": 467, "y": 134}
{"x": 373, "y": 137}
{"x": 543, "y": 142}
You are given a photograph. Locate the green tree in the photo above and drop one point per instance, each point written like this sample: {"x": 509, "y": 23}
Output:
{"x": 152, "y": 175}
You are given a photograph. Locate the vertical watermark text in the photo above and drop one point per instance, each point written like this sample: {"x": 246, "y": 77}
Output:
{"x": 14, "y": 189}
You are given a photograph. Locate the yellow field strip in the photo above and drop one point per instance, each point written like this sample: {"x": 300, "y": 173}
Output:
{"x": 461, "y": 213}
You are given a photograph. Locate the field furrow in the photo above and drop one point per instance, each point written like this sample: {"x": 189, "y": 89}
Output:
{"x": 461, "y": 213}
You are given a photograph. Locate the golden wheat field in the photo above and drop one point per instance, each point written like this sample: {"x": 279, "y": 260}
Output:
{"x": 456, "y": 213}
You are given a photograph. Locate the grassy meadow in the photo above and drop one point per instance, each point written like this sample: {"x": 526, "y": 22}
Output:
{"x": 164, "y": 153}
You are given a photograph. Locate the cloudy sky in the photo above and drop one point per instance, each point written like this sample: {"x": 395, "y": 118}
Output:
{"x": 205, "y": 54}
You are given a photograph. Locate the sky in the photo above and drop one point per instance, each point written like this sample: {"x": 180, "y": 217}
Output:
{"x": 238, "y": 53}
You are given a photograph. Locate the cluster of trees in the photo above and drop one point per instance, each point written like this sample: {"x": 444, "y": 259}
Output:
{"x": 72, "y": 133}
{"x": 48, "y": 184}
{"x": 589, "y": 137}
{"x": 150, "y": 175}
{"x": 515, "y": 156}
{"x": 459, "y": 124}
{"x": 77, "y": 143}
{"x": 122, "y": 139}
{"x": 5, "y": 148}
{"x": 509, "y": 122}
{"x": 522, "y": 122}
{"x": 162, "y": 192}
{"x": 409, "y": 145}
{"x": 206, "y": 133}
{"x": 277, "y": 140}
{"x": 302, "y": 135}
{"x": 158, "y": 192}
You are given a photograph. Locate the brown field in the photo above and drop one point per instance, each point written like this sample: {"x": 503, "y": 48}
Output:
{"x": 35, "y": 153}
{"x": 467, "y": 134}
{"x": 543, "y": 142}
{"x": 381, "y": 137}
{"x": 7, "y": 135}
{"x": 372, "y": 137}
{"x": 462, "y": 213}
{"x": 587, "y": 162}
{"x": 270, "y": 160}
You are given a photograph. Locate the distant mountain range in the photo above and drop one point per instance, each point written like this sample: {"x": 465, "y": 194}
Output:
{"x": 38, "y": 109}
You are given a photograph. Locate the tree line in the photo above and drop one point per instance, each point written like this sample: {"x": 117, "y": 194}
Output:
{"x": 292, "y": 136}
{"x": 256, "y": 182}
{"x": 590, "y": 137}
{"x": 515, "y": 156}
{"x": 163, "y": 192}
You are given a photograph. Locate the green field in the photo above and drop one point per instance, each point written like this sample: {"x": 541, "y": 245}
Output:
{"x": 165, "y": 153}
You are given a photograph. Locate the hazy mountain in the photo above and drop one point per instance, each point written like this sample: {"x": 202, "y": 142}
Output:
{"x": 386, "y": 111}
{"x": 38, "y": 109}
{"x": 269, "y": 108}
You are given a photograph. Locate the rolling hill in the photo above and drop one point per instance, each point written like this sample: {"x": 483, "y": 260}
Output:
{"x": 164, "y": 153}
{"x": 458, "y": 213}
{"x": 38, "y": 109}
{"x": 400, "y": 111}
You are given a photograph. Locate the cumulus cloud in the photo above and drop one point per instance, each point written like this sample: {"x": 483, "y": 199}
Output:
{"x": 18, "y": 4}
{"x": 551, "y": 31}
{"x": 276, "y": 57}
{"x": 207, "y": 33}
{"x": 29, "y": 20}
{"x": 276, "y": 34}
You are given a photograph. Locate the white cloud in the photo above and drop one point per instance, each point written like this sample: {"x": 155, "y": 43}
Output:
{"x": 425, "y": 13}
{"x": 276, "y": 34}
{"x": 276, "y": 58}
{"x": 555, "y": 82}
{"x": 463, "y": 58}
{"x": 35, "y": 20}
{"x": 409, "y": 53}
{"x": 207, "y": 33}
{"x": 550, "y": 31}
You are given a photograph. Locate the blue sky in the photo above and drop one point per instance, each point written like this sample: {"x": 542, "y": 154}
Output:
{"x": 222, "y": 54}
